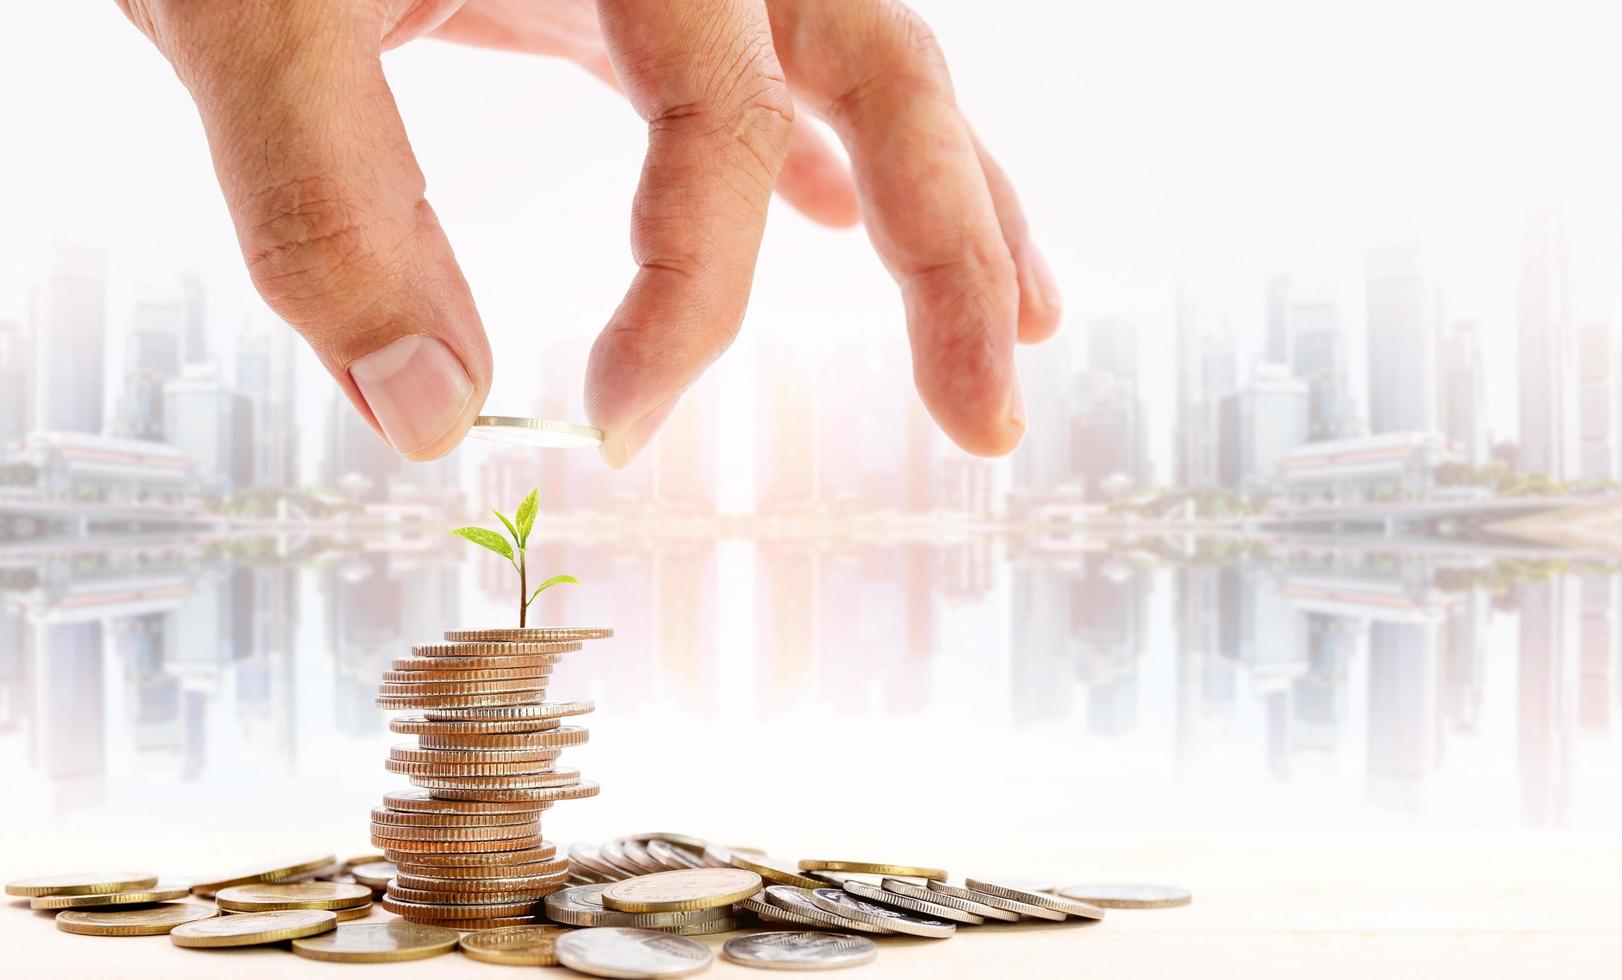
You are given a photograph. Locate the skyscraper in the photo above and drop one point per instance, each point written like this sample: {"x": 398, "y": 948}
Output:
{"x": 1463, "y": 399}
{"x": 266, "y": 377}
{"x": 213, "y": 424}
{"x": 1112, "y": 348}
{"x": 70, "y": 335}
{"x": 1548, "y": 399}
{"x": 195, "y": 302}
{"x": 152, "y": 358}
{"x": 1596, "y": 402}
{"x": 1318, "y": 352}
{"x": 1279, "y": 288}
{"x": 1401, "y": 341}
{"x": 16, "y": 388}
{"x": 1108, "y": 434}
{"x": 1043, "y": 462}
{"x": 1261, "y": 422}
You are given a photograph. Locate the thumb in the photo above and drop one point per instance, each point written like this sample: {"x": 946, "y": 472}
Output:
{"x": 329, "y": 208}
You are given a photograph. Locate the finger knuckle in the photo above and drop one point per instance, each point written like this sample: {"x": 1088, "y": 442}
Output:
{"x": 304, "y": 242}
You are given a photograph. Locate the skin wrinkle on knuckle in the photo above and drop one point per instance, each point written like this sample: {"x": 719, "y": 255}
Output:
{"x": 304, "y": 243}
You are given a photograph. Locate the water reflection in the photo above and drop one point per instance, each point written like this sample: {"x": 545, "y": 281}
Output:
{"x": 1449, "y": 690}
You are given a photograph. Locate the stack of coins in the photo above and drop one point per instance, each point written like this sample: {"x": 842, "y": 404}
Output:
{"x": 466, "y": 843}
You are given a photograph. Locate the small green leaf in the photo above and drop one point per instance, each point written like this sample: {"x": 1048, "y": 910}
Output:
{"x": 510, "y": 529}
{"x": 554, "y": 580}
{"x": 526, "y": 516}
{"x": 486, "y": 538}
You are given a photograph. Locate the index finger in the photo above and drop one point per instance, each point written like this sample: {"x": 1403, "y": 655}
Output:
{"x": 705, "y": 77}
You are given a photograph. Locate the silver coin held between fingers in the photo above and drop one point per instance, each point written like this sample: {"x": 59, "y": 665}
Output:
{"x": 800, "y": 950}
{"x": 631, "y": 954}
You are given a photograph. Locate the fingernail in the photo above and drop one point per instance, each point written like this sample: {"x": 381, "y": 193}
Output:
{"x": 618, "y": 451}
{"x": 1047, "y": 287}
{"x": 417, "y": 389}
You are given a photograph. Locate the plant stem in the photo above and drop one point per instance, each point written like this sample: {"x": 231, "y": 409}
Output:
{"x": 523, "y": 589}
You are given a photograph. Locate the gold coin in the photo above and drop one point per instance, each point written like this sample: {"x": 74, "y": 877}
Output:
{"x": 145, "y": 896}
{"x": 577, "y": 791}
{"x": 80, "y": 884}
{"x": 358, "y": 912}
{"x": 463, "y": 756}
{"x": 515, "y": 945}
{"x": 253, "y": 928}
{"x": 539, "y": 711}
{"x": 494, "y": 879}
{"x": 405, "y": 818}
{"x": 873, "y": 868}
{"x": 375, "y": 874}
{"x": 267, "y": 872}
{"x": 437, "y": 688}
{"x": 397, "y": 849}
{"x": 153, "y": 921}
{"x": 349, "y": 863}
{"x": 421, "y": 801}
{"x": 377, "y": 942}
{"x": 559, "y": 776}
{"x": 682, "y": 891}
{"x": 544, "y": 851}
{"x": 503, "y": 769}
{"x": 515, "y": 869}
{"x": 493, "y": 699}
{"x": 462, "y": 675}
{"x": 532, "y": 634}
{"x": 446, "y": 910}
{"x": 502, "y": 831}
{"x": 516, "y": 648}
{"x": 429, "y": 896}
{"x": 306, "y": 895}
{"x": 773, "y": 870}
{"x": 506, "y": 661}
{"x": 557, "y": 738}
{"x": 466, "y": 925}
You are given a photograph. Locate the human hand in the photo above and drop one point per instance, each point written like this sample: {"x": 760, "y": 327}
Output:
{"x": 329, "y": 205}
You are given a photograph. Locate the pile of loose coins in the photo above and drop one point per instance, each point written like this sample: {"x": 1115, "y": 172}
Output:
{"x": 636, "y": 904}
{"x": 466, "y": 843}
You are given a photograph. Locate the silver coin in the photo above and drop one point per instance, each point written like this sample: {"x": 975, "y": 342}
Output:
{"x": 901, "y": 886}
{"x": 793, "y": 898}
{"x": 997, "y": 902}
{"x": 922, "y": 906}
{"x": 543, "y": 711}
{"x": 1113, "y": 896}
{"x": 631, "y": 954}
{"x": 639, "y": 857}
{"x": 671, "y": 857}
{"x": 534, "y": 433}
{"x": 586, "y": 858}
{"x": 841, "y": 902}
{"x": 800, "y": 950}
{"x": 772, "y": 914}
{"x": 582, "y": 905}
{"x": 1071, "y": 907}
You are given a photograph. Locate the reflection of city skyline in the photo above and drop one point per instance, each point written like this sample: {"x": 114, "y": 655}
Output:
{"x": 1289, "y": 667}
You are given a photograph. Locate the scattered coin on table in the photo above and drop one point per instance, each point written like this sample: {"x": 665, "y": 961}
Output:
{"x": 377, "y": 942}
{"x": 91, "y": 883}
{"x": 151, "y": 921}
{"x": 514, "y": 945}
{"x": 631, "y": 953}
{"x": 252, "y": 928}
{"x": 799, "y": 950}
{"x": 144, "y": 896}
{"x": 1111, "y": 896}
